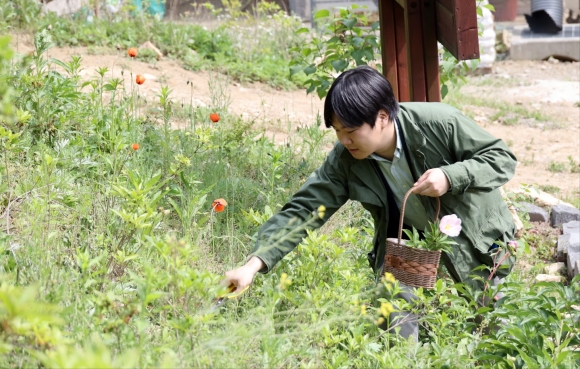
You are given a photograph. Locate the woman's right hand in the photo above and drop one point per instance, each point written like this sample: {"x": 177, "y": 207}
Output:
{"x": 243, "y": 276}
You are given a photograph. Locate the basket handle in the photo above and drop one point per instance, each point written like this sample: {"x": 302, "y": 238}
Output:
{"x": 403, "y": 212}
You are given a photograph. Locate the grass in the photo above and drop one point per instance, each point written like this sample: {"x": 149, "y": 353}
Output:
{"x": 253, "y": 50}
{"x": 550, "y": 189}
{"x": 508, "y": 114}
{"x": 113, "y": 257}
{"x": 557, "y": 167}
{"x": 496, "y": 82}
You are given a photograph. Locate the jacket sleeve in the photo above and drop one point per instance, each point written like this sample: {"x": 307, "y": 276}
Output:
{"x": 481, "y": 161}
{"x": 284, "y": 231}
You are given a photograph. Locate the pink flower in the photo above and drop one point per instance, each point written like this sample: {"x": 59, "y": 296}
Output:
{"x": 514, "y": 245}
{"x": 450, "y": 225}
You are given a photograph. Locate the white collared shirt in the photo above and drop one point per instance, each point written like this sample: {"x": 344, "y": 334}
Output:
{"x": 400, "y": 180}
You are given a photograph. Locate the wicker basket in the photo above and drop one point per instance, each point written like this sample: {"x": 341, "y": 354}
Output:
{"x": 411, "y": 266}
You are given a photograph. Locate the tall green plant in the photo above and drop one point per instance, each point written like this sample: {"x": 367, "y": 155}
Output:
{"x": 344, "y": 40}
{"x": 341, "y": 43}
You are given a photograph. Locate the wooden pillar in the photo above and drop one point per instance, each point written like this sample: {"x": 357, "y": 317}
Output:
{"x": 409, "y": 49}
{"x": 431, "y": 51}
{"x": 402, "y": 63}
{"x": 416, "y": 59}
{"x": 389, "y": 45}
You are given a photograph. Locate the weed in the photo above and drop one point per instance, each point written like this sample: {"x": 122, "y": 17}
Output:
{"x": 528, "y": 162}
{"x": 557, "y": 167}
{"x": 116, "y": 245}
{"x": 574, "y": 165}
{"x": 550, "y": 189}
{"x": 509, "y": 114}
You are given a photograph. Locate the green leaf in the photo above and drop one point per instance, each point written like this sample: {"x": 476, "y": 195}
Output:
{"x": 357, "y": 41}
{"x": 295, "y": 69}
{"x": 310, "y": 69}
{"x": 322, "y": 14}
{"x": 61, "y": 64}
{"x": 444, "y": 91}
{"x": 483, "y": 310}
{"x": 302, "y": 30}
{"x": 375, "y": 25}
{"x": 339, "y": 65}
{"x": 349, "y": 23}
{"x": 357, "y": 55}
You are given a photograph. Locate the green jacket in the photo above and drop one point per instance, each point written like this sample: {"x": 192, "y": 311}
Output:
{"x": 436, "y": 136}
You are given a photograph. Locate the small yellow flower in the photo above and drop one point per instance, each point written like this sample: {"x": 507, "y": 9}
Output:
{"x": 321, "y": 210}
{"x": 388, "y": 277}
{"x": 380, "y": 321}
{"x": 363, "y": 310}
{"x": 284, "y": 281}
{"x": 386, "y": 309}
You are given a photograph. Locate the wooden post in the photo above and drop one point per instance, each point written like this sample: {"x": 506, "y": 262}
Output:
{"x": 430, "y": 51}
{"x": 402, "y": 64}
{"x": 415, "y": 56}
{"x": 410, "y": 30}
{"x": 389, "y": 45}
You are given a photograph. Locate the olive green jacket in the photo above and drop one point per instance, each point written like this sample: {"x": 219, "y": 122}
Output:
{"x": 436, "y": 136}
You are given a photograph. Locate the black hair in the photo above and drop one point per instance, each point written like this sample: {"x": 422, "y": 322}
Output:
{"x": 356, "y": 97}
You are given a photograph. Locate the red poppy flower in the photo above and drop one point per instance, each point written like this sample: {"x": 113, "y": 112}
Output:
{"x": 139, "y": 79}
{"x": 219, "y": 205}
{"x": 214, "y": 117}
{"x": 135, "y": 146}
{"x": 132, "y": 52}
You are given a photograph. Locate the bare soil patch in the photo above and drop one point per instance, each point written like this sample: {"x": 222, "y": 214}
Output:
{"x": 546, "y": 149}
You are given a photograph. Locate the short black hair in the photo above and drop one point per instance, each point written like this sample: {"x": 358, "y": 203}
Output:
{"x": 356, "y": 97}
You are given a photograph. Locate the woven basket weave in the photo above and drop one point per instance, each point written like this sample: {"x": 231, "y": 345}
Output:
{"x": 411, "y": 266}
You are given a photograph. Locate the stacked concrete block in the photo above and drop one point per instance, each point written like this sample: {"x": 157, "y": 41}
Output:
{"x": 569, "y": 245}
{"x": 536, "y": 213}
{"x": 563, "y": 214}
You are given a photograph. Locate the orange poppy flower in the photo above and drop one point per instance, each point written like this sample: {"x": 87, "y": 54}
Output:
{"x": 132, "y": 52}
{"x": 135, "y": 146}
{"x": 214, "y": 117}
{"x": 219, "y": 205}
{"x": 139, "y": 79}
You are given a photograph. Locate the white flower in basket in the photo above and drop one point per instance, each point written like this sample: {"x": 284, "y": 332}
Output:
{"x": 436, "y": 236}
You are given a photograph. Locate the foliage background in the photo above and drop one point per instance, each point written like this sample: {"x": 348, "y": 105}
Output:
{"x": 112, "y": 257}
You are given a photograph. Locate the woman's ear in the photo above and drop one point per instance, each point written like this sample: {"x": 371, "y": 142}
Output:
{"x": 384, "y": 118}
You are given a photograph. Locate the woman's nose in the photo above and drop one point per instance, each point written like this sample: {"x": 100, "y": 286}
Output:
{"x": 344, "y": 139}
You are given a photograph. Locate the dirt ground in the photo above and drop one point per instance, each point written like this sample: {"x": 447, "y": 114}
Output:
{"x": 551, "y": 88}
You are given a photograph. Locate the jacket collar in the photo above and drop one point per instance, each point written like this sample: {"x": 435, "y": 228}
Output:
{"x": 414, "y": 138}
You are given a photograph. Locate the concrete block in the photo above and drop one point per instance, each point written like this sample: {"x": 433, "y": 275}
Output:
{"x": 555, "y": 268}
{"x": 526, "y": 45}
{"x": 567, "y": 243}
{"x": 64, "y": 7}
{"x": 548, "y": 278}
{"x": 563, "y": 214}
{"x": 536, "y": 213}
{"x": 572, "y": 259}
{"x": 571, "y": 227}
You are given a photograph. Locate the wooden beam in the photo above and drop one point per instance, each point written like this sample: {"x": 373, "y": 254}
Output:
{"x": 457, "y": 27}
